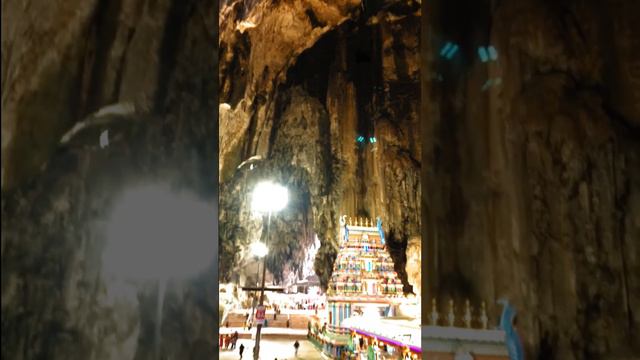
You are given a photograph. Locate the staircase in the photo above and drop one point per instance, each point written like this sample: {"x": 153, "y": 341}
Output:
{"x": 297, "y": 321}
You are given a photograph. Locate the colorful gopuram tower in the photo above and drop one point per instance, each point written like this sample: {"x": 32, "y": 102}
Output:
{"x": 363, "y": 273}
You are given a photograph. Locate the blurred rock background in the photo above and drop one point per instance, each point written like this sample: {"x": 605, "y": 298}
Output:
{"x": 532, "y": 183}
{"x": 145, "y": 73}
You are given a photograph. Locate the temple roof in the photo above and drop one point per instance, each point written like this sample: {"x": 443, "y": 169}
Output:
{"x": 363, "y": 269}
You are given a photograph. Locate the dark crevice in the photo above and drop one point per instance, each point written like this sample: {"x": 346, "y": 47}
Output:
{"x": 325, "y": 138}
{"x": 546, "y": 349}
{"x": 123, "y": 59}
{"x": 626, "y": 126}
{"x": 171, "y": 41}
{"x": 313, "y": 19}
{"x": 313, "y": 65}
{"x": 7, "y": 61}
{"x": 364, "y": 63}
{"x": 622, "y": 203}
{"x": 247, "y": 146}
{"x": 236, "y": 73}
{"x": 282, "y": 102}
{"x": 121, "y": 68}
{"x": 105, "y": 27}
{"x": 397, "y": 250}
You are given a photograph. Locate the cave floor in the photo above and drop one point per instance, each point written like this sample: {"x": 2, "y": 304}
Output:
{"x": 281, "y": 349}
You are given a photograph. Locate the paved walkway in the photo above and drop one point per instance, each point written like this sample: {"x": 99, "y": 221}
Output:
{"x": 281, "y": 349}
{"x": 268, "y": 332}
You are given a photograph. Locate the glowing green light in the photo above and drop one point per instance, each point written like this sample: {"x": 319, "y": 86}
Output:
{"x": 445, "y": 49}
{"x": 482, "y": 52}
{"x": 452, "y": 51}
{"x": 493, "y": 53}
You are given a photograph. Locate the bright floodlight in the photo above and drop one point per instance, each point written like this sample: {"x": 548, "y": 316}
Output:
{"x": 155, "y": 233}
{"x": 269, "y": 197}
{"x": 259, "y": 249}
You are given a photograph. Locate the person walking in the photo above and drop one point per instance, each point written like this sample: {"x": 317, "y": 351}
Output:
{"x": 234, "y": 339}
{"x": 296, "y": 345}
{"x": 241, "y": 350}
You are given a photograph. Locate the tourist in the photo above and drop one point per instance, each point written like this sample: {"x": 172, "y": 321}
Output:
{"x": 241, "y": 350}
{"x": 296, "y": 345}
{"x": 234, "y": 339}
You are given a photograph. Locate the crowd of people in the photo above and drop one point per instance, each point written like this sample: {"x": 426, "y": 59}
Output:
{"x": 228, "y": 341}
{"x": 296, "y": 305}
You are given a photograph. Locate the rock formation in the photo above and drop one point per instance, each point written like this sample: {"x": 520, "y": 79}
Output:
{"x": 299, "y": 83}
{"x": 143, "y": 73}
{"x": 414, "y": 264}
{"x": 533, "y": 185}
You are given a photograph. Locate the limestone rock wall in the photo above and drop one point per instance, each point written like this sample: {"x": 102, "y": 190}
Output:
{"x": 533, "y": 184}
{"x": 414, "y": 264}
{"x": 63, "y": 61}
{"x": 299, "y": 82}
